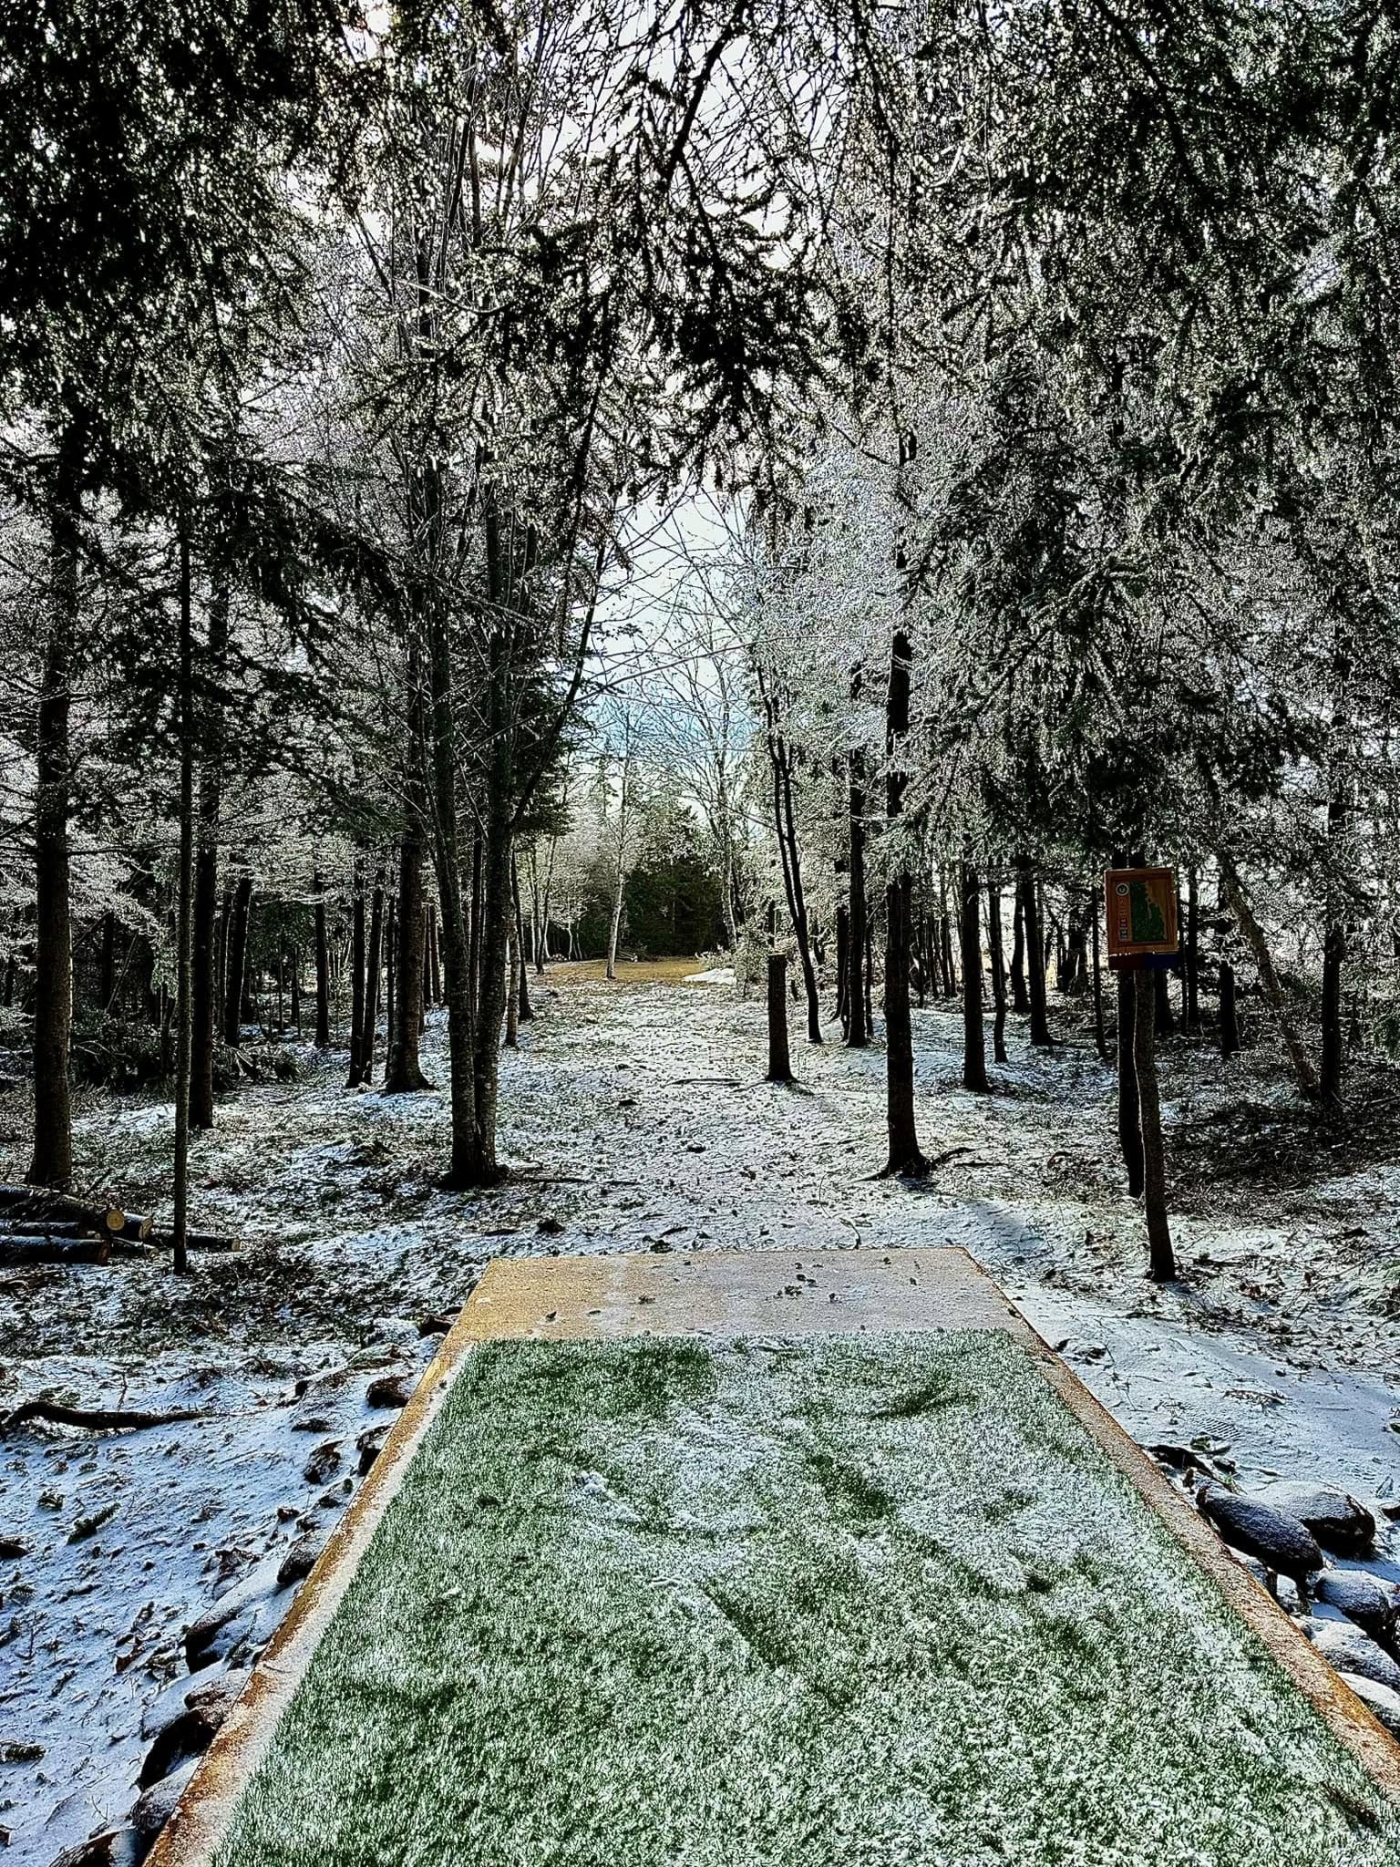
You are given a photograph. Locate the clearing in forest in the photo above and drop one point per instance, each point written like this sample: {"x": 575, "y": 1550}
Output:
{"x": 789, "y": 1595}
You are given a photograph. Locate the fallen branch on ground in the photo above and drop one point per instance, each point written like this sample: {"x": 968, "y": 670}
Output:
{"x": 96, "y": 1418}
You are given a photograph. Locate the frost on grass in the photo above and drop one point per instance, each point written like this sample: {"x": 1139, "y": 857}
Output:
{"x": 788, "y": 1602}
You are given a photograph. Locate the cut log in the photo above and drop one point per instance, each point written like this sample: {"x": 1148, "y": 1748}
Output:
{"x": 194, "y": 1241}
{"x": 45, "y": 1228}
{"x": 22, "y": 1248}
{"x": 44, "y": 1206}
{"x": 99, "y": 1419}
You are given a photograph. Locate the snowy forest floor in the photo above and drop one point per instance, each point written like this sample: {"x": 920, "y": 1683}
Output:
{"x": 636, "y": 1119}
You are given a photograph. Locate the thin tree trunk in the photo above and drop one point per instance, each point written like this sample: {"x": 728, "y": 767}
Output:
{"x": 997, "y": 948}
{"x": 1193, "y": 950}
{"x": 1161, "y": 1262}
{"x": 1035, "y": 953}
{"x": 434, "y": 991}
{"x": 620, "y": 874}
{"x": 1129, "y": 1121}
{"x": 1163, "y": 1022}
{"x": 905, "y": 1156}
{"x": 458, "y": 958}
{"x": 974, "y": 1036}
{"x": 323, "y": 967}
{"x": 357, "y": 974}
{"x": 785, "y": 824}
{"x": 512, "y": 1037}
{"x": 1100, "y": 1035}
{"x": 779, "y": 1061}
{"x": 524, "y": 1009}
{"x": 204, "y": 957}
{"x": 184, "y": 986}
{"x": 391, "y": 966}
{"x": 1229, "y": 1016}
{"x": 236, "y": 959}
{"x": 374, "y": 954}
{"x": 51, "y": 1163}
{"x": 404, "y": 1073}
{"x": 1334, "y": 942}
{"x": 857, "y": 996}
{"x": 107, "y": 973}
{"x": 1020, "y": 998}
{"x": 843, "y": 964}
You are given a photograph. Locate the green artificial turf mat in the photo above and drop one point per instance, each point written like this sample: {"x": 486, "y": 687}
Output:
{"x": 670, "y": 1603}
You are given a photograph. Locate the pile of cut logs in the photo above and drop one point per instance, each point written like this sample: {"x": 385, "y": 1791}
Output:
{"x": 42, "y": 1227}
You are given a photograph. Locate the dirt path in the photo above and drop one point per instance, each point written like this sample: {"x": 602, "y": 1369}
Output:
{"x": 637, "y": 1120}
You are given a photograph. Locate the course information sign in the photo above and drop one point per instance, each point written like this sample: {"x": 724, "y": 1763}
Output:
{"x": 1141, "y": 917}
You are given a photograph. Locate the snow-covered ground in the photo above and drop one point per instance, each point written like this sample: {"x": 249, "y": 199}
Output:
{"x": 637, "y": 1119}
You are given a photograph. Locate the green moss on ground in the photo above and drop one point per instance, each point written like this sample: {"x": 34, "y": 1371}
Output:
{"x": 662, "y": 1603}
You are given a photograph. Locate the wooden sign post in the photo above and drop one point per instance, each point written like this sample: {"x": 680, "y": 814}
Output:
{"x": 1141, "y": 918}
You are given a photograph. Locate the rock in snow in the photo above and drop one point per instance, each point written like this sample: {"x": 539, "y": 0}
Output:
{"x": 323, "y": 1464}
{"x": 1339, "y": 1521}
{"x": 1343, "y": 1645}
{"x": 1379, "y": 1698}
{"x": 300, "y": 1559}
{"x": 1372, "y": 1603}
{"x": 391, "y": 1390}
{"x": 369, "y": 1445}
{"x": 156, "y": 1805}
{"x": 1275, "y": 1537}
{"x": 114, "y": 1847}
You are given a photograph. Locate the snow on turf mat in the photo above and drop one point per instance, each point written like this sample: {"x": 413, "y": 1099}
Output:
{"x": 681, "y": 1603}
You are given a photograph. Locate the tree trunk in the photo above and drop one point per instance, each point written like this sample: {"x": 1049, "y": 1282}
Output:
{"x": 524, "y": 1010}
{"x": 204, "y": 953}
{"x": 1020, "y": 998}
{"x": 779, "y": 1062}
{"x": 1129, "y": 1124}
{"x": 497, "y": 854}
{"x": 374, "y": 954}
{"x": 184, "y": 970}
{"x": 785, "y": 829}
{"x": 236, "y": 958}
{"x": 1100, "y": 1035}
{"x": 404, "y": 1074}
{"x": 107, "y": 968}
{"x": 391, "y": 947}
{"x": 843, "y": 964}
{"x": 620, "y": 876}
{"x": 974, "y": 1037}
{"x": 1193, "y": 951}
{"x": 357, "y": 974}
{"x": 1035, "y": 952}
{"x": 1229, "y": 1016}
{"x": 857, "y": 997}
{"x": 905, "y": 1156}
{"x": 1163, "y": 1022}
{"x": 1334, "y": 941}
{"x": 997, "y": 948}
{"x": 434, "y": 991}
{"x": 1161, "y": 1262}
{"x": 51, "y": 1163}
{"x": 458, "y": 977}
{"x": 323, "y": 967}
{"x": 513, "y": 970}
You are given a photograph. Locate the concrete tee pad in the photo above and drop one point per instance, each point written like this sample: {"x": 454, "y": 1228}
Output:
{"x": 764, "y": 1300}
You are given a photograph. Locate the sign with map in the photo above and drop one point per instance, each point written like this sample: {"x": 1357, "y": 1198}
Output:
{"x": 1141, "y": 906}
